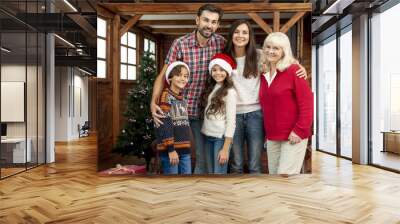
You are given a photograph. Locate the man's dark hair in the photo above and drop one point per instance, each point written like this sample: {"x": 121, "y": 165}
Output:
{"x": 211, "y": 8}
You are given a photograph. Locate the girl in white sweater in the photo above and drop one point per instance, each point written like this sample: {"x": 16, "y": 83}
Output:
{"x": 219, "y": 113}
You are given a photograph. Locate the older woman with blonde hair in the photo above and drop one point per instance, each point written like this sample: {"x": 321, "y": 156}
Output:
{"x": 287, "y": 104}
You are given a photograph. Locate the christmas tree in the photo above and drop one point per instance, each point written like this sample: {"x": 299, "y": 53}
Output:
{"x": 137, "y": 134}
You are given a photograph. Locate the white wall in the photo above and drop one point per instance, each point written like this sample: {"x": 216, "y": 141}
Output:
{"x": 16, "y": 73}
{"x": 61, "y": 103}
{"x": 71, "y": 102}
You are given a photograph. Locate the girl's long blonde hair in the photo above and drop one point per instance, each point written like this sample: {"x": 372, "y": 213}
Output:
{"x": 281, "y": 40}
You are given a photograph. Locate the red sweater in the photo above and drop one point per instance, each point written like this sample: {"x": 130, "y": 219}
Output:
{"x": 287, "y": 105}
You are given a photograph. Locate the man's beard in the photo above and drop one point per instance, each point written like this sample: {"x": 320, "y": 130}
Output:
{"x": 201, "y": 31}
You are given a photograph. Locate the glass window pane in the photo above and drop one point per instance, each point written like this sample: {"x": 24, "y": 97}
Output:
{"x": 101, "y": 69}
{"x": 146, "y": 44}
{"x": 32, "y": 100}
{"x": 123, "y": 55}
{"x": 346, "y": 94}
{"x": 327, "y": 97}
{"x": 101, "y": 48}
{"x": 124, "y": 39}
{"x": 123, "y": 71}
{"x": 394, "y": 101}
{"x": 385, "y": 89}
{"x": 131, "y": 39}
{"x": 152, "y": 47}
{"x": 101, "y": 27}
{"x": 131, "y": 56}
{"x": 131, "y": 72}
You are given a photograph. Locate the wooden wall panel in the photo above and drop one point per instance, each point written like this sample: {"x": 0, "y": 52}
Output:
{"x": 165, "y": 44}
{"x": 104, "y": 123}
{"x": 92, "y": 84}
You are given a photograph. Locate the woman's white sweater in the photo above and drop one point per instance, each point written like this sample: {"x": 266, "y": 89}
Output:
{"x": 221, "y": 125}
{"x": 247, "y": 89}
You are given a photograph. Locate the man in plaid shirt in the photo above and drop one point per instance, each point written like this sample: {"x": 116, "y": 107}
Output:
{"x": 196, "y": 50}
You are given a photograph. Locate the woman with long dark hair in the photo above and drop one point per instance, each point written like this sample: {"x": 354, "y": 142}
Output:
{"x": 249, "y": 129}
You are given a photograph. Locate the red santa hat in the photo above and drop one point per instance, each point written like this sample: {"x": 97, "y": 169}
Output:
{"x": 225, "y": 61}
{"x": 172, "y": 66}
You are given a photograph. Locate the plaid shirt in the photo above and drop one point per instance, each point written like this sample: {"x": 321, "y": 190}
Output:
{"x": 188, "y": 50}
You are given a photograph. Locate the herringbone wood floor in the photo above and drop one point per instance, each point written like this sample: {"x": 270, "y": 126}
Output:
{"x": 70, "y": 191}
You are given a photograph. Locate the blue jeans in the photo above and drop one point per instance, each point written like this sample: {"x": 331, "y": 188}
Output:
{"x": 213, "y": 145}
{"x": 249, "y": 129}
{"x": 201, "y": 164}
{"x": 184, "y": 166}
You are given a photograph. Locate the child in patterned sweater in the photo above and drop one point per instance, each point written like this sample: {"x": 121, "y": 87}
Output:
{"x": 173, "y": 135}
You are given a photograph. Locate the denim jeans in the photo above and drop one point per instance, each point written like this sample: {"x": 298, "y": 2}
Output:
{"x": 249, "y": 129}
{"x": 184, "y": 166}
{"x": 201, "y": 166}
{"x": 213, "y": 145}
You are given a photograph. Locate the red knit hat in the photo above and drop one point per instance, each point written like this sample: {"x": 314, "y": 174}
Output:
{"x": 223, "y": 60}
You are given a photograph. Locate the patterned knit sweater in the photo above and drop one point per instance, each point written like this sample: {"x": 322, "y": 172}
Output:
{"x": 174, "y": 133}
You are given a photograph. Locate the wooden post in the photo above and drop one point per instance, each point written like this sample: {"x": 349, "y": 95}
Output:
{"x": 115, "y": 57}
{"x": 276, "y": 21}
{"x": 92, "y": 86}
{"x": 292, "y": 21}
{"x": 260, "y": 22}
{"x": 131, "y": 22}
{"x": 300, "y": 40}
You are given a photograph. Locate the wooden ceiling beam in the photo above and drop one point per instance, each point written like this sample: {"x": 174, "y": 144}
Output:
{"x": 103, "y": 12}
{"x": 131, "y": 22}
{"x": 189, "y": 30}
{"x": 192, "y": 22}
{"x": 292, "y": 21}
{"x": 190, "y": 8}
{"x": 260, "y": 21}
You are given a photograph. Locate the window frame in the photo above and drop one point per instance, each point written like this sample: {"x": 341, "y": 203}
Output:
{"x": 155, "y": 46}
{"x": 333, "y": 37}
{"x": 127, "y": 64}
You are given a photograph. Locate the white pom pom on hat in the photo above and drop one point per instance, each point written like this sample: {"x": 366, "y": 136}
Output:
{"x": 225, "y": 61}
{"x": 172, "y": 66}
